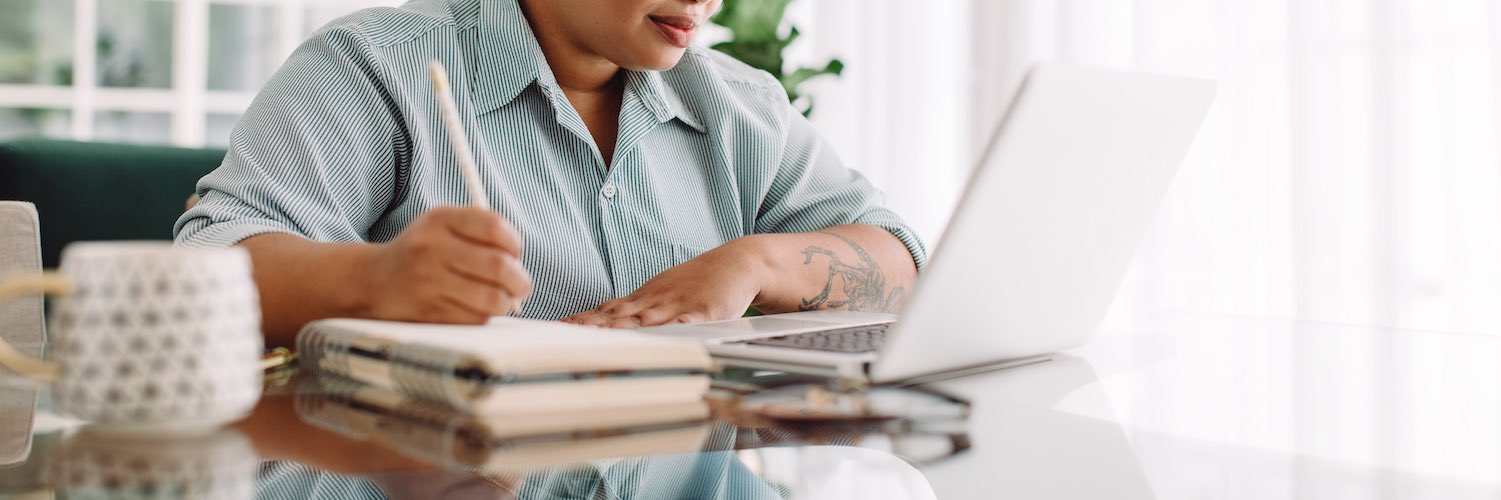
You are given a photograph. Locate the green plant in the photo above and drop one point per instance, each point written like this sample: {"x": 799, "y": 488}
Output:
{"x": 755, "y": 26}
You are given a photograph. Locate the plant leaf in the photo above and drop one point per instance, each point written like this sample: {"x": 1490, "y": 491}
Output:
{"x": 801, "y": 75}
{"x": 754, "y": 26}
{"x": 752, "y": 19}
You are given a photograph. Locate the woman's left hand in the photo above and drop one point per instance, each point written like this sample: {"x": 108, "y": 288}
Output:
{"x": 719, "y": 284}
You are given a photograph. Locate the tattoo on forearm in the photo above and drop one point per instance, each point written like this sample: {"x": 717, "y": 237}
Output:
{"x": 864, "y": 284}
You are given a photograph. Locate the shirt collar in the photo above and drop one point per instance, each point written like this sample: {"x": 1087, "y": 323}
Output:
{"x": 664, "y": 102}
{"x": 507, "y": 58}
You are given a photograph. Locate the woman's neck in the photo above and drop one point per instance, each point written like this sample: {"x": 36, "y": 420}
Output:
{"x": 577, "y": 69}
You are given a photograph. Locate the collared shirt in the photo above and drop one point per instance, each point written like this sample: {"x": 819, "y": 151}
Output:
{"x": 345, "y": 144}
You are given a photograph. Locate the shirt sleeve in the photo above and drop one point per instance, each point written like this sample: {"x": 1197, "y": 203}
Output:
{"x": 317, "y": 154}
{"x": 813, "y": 190}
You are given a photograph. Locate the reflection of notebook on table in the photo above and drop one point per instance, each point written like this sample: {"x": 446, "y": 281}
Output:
{"x": 435, "y": 433}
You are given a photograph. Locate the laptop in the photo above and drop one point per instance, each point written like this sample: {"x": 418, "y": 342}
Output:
{"x": 1043, "y": 234}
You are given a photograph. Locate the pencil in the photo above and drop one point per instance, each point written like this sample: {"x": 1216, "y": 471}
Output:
{"x": 468, "y": 170}
{"x": 450, "y": 111}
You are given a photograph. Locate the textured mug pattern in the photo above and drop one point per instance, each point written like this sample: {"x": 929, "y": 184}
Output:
{"x": 155, "y": 333}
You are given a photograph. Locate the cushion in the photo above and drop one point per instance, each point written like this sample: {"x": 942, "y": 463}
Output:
{"x": 86, "y": 191}
{"x": 20, "y": 325}
{"x": 20, "y": 318}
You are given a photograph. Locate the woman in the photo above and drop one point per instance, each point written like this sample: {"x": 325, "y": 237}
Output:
{"x": 650, "y": 180}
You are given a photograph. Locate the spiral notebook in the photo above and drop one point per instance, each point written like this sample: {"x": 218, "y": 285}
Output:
{"x": 511, "y": 365}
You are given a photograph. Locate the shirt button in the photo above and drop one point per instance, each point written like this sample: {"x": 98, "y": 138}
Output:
{"x": 608, "y": 191}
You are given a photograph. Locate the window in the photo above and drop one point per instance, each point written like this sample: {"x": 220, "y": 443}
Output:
{"x": 154, "y": 71}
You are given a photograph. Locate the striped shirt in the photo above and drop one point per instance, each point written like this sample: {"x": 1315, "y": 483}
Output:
{"x": 345, "y": 144}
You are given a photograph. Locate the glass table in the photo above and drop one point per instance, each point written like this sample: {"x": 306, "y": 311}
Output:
{"x": 1171, "y": 406}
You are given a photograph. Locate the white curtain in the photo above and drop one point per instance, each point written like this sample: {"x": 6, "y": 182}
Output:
{"x": 1349, "y": 171}
{"x": 900, "y": 113}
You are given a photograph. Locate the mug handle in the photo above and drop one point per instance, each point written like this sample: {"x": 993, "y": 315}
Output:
{"x": 17, "y": 361}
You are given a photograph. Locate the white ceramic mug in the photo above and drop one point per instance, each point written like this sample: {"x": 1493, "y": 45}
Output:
{"x": 146, "y": 335}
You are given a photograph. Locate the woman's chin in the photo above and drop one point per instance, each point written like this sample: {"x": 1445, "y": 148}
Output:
{"x": 657, "y": 60}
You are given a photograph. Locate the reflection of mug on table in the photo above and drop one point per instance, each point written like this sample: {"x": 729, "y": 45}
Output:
{"x": 219, "y": 465}
{"x": 148, "y": 333}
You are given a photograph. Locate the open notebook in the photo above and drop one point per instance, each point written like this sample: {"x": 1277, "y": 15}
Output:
{"x": 510, "y": 366}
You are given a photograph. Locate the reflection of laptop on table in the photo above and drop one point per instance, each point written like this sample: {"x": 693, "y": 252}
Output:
{"x": 1035, "y": 251}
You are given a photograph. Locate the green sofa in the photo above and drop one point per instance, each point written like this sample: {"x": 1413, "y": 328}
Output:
{"x": 86, "y": 191}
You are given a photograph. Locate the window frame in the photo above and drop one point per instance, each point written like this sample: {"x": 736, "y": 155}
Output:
{"x": 187, "y": 101}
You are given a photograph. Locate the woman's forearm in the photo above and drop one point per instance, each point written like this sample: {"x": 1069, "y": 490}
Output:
{"x": 853, "y": 267}
{"x": 856, "y": 267}
{"x": 302, "y": 280}
{"x": 451, "y": 265}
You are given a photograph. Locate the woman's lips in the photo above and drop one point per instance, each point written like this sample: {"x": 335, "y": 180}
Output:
{"x": 677, "y": 30}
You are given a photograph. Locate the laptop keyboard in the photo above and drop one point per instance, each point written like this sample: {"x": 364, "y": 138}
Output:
{"x": 857, "y": 339}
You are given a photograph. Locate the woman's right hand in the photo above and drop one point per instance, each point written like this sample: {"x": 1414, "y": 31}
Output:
{"x": 451, "y": 265}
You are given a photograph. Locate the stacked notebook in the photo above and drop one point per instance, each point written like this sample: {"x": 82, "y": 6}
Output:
{"x": 510, "y": 365}
{"x": 541, "y": 392}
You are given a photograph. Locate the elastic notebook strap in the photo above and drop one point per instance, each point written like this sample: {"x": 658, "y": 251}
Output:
{"x": 411, "y": 369}
{"x": 320, "y": 351}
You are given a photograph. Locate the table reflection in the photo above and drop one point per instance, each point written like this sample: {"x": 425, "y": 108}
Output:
{"x": 1037, "y": 435}
{"x": 216, "y": 465}
{"x": 1025, "y": 436}
{"x": 1213, "y": 407}
{"x": 426, "y": 449}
